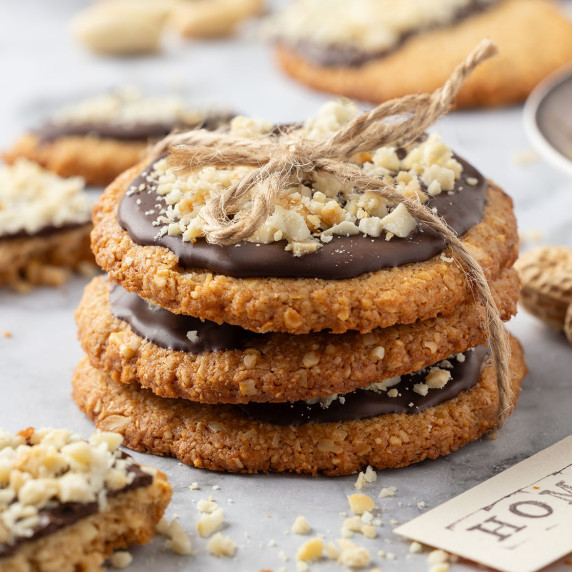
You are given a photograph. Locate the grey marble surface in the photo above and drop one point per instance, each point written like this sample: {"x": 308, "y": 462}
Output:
{"x": 42, "y": 67}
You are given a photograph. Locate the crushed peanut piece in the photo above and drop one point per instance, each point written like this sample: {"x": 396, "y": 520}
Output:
{"x": 311, "y": 549}
{"x": 220, "y": 545}
{"x": 360, "y": 503}
{"x": 301, "y": 526}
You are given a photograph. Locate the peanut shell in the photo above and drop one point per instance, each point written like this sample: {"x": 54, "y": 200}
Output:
{"x": 546, "y": 277}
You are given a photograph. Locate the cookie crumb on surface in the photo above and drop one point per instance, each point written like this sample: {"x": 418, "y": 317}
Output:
{"x": 387, "y": 492}
{"x": 194, "y": 486}
{"x": 369, "y": 476}
{"x": 438, "y": 557}
{"x": 415, "y": 547}
{"x": 311, "y": 549}
{"x": 355, "y": 557}
{"x": 120, "y": 559}
{"x": 210, "y": 522}
{"x": 301, "y": 526}
{"x": 220, "y": 545}
{"x": 177, "y": 539}
{"x": 360, "y": 503}
{"x": 443, "y": 567}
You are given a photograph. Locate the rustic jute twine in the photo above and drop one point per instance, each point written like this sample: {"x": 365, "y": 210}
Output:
{"x": 282, "y": 161}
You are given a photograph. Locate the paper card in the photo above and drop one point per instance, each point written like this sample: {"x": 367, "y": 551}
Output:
{"x": 518, "y": 521}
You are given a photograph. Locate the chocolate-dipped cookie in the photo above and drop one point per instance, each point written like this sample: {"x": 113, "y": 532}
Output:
{"x": 325, "y": 253}
{"x": 230, "y": 438}
{"x": 100, "y": 138}
{"x": 67, "y": 504}
{"x": 376, "y": 51}
{"x": 44, "y": 226}
{"x": 174, "y": 355}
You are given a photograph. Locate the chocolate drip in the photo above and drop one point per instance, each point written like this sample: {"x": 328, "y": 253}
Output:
{"x": 169, "y": 330}
{"x": 363, "y": 403}
{"x": 123, "y": 131}
{"x": 339, "y": 55}
{"x": 61, "y": 515}
{"x": 343, "y": 257}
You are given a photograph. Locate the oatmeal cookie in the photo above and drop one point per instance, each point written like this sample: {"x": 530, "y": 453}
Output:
{"x": 403, "y": 294}
{"x": 267, "y": 367}
{"x": 533, "y": 36}
{"x": 224, "y": 438}
{"x": 45, "y": 260}
{"x": 100, "y": 137}
{"x": 69, "y": 504}
{"x": 95, "y": 159}
{"x": 44, "y": 225}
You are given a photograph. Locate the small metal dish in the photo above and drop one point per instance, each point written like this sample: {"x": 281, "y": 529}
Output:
{"x": 548, "y": 119}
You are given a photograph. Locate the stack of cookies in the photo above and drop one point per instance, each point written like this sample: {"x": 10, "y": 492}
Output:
{"x": 340, "y": 333}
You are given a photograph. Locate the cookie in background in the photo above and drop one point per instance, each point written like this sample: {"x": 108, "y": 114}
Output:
{"x": 45, "y": 221}
{"x": 376, "y": 50}
{"x": 101, "y": 137}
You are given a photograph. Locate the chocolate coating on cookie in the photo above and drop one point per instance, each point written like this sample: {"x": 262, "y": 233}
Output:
{"x": 343, "y": 257}
{"x": 47, "y": 230}
{"x": 171, "y": 331}
{"x": 364, "y": 403}
{"x": 123, "y": 131}
{"x": 339, "y": 55}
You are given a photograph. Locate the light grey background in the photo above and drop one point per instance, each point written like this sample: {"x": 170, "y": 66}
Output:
{"x": 41, "y": 67}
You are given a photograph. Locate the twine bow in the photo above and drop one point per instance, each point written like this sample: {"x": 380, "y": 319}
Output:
{"x": 280, "y": 162}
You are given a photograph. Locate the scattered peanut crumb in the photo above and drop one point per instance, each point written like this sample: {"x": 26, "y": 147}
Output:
{"x": 301, "y": 526}
{"x": 210, "y": 522}
{"x": 368, "y": 531}
{"x": 387, "y": 492}
{"x": 220, "y": 545}
{"x": 369, "y": 476}
{"x": 421, "y": 505}
{"x": 194, "y": 486}
{"x": 438, "y": 557}
{"x": 177, "y": 539}
{"x": 415, "y": 547}
{"x": 120, "y": 559}
{"x": 311, "y": 549}
{"x": 360, "y": 503}
{"x": 444, "y": 567}
{"x": 355, "y": 557}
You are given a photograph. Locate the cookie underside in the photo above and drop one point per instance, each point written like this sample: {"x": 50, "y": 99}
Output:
{"x": 223, "y": 438}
